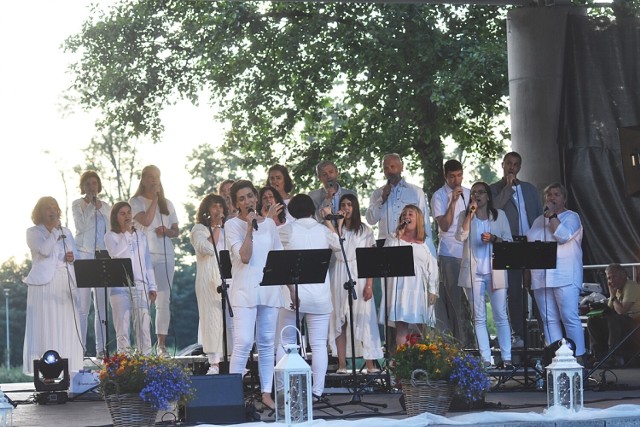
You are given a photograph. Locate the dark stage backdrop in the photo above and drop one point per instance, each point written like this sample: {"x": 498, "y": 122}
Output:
{"x": 600, "y": 94}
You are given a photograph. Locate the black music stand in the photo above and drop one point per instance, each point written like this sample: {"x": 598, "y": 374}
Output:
{"x": 296, "y": 267}
{"x": 104, "y": 273}
{"x": 386, "y": 261}
{"x": 523, "y": 256}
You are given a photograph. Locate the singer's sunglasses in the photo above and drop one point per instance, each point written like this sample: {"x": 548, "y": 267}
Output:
{"x": 477, "y": 193}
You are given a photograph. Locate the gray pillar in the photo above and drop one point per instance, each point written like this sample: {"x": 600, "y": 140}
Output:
{"x": 535, "y": 48}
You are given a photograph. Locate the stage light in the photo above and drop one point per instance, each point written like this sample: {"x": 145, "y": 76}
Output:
{"x": 47, "y": 372}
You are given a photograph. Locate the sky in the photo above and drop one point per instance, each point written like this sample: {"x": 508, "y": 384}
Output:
{"x": 39, "y": 144}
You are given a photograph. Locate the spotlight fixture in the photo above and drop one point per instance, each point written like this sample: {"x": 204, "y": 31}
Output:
{"x": 50, "y": 387}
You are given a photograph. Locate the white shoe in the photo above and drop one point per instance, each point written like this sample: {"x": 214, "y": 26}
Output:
{"x": 162, "y": 352}
{"x": 213, "y": 370}
{"x": 342, "y": 371}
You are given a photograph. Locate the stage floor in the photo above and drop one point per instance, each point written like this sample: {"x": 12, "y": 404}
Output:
{"x": 622, "y": 388}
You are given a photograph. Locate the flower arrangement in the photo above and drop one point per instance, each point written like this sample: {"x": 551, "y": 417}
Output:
{"x": 442, "y": 359}
{"x": 158, "y": 381}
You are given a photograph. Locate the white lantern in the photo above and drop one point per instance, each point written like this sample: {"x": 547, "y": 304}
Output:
{"x": 293, "y": 387}
{"x": 564, "y": 380}
{"x": 5, "y": 407}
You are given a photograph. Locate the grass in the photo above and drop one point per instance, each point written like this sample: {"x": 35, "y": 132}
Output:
{"x": 13, "y": 375}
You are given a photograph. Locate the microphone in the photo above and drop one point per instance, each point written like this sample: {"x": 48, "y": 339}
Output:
{"x": 404, "y": 223}
{"x": 62, "y": 236}
{"x": 95, "y": 200}
{"x": 254, "y": 222}
{"x": 331, "y": 217}
{"x": 206, "y": 218}
{"x": 546, "y": 209}
{"x": 472, "y": 209}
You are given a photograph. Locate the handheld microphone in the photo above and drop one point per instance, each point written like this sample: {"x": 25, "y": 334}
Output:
{"x": 206, "y": 218}
{"x": 254, "y": 222}
{"x": 546, "y": 209}
{"x": 404, "y": 224}
{"x": 331, "y": 217}
{"x": 472, "y": 209}
{"x": 95, "y": 200}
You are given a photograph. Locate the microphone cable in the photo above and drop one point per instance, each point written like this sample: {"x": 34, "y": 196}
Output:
{"x": 145, "y": 280}
{"x": 167, "y": 276}
{"x": 95, "y": 291}
{"x": 74, "y": 308}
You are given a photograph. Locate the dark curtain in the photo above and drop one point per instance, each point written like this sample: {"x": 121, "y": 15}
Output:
{"x": 600, "y": 94}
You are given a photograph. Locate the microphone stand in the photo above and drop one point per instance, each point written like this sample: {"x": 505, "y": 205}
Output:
{"x": 222, "y": 289}
{"x": 105, "y": 321}
{"x": 349, "y": 286}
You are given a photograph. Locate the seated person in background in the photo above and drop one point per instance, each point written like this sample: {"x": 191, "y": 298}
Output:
{"x": 607, "y": 330}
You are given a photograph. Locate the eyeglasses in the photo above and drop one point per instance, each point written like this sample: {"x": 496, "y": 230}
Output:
{"x": 477, "y": 193}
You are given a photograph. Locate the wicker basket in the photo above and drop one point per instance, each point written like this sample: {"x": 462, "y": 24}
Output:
{"x": 426, "y": 396}
{"x": 129, "y": 410}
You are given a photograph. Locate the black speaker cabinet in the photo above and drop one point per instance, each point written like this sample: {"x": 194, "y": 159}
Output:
{"x": 218, "y": 399}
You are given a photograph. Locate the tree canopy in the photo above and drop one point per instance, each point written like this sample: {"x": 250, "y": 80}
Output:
{"x": 300, "y": 82}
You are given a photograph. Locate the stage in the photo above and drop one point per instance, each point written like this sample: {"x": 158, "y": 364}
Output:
{"x": 510, "y": 404}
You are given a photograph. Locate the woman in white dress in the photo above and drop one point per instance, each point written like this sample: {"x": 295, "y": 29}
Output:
{"x": 209, "y": 222}
{"x": 156, "y": 217}
{"x": 250, "y": 237}
{"x": 411, "y": 300}
{"x": 314, "y": 299}
{"x": 355, "y": 234}
{"x": 52, "y": 312}
{"x": 269, "y": 196}
{"x": 479, "y": 227}
{"x": 131, "y": 303}
{"x": 91, "y": 218}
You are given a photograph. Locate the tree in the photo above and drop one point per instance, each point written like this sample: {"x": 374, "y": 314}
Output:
{"x": 300, "y": 82}
{"x": 11, "y": 276}
{"x": 113, "y": 156}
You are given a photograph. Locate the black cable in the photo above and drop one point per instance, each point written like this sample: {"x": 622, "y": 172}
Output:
{"x": 94, "y": 290}
{"x": 76, "y": 315}
{"x": 166, "y": 271}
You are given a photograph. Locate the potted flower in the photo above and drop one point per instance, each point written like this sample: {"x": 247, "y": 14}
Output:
{"x": 135, "y": 387}
{"x": 432, "y": 369}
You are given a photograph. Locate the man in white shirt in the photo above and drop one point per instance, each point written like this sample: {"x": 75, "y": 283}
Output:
{"x": 447, "y": 203}
{"x": 387, "y": 202}
{"x": 522, "y": 203}
{"x": 331, "y": 192}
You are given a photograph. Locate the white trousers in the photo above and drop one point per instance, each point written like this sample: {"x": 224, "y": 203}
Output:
{"x": 84, "y": 306}
{"x": 498, "y": 299}
{"x": 318, "y": 331}
{"x": 263, "y": 320}
{"x": 163, "y": 270}
{"x": 131, "y": 307}
{"x": 559, "y": 307}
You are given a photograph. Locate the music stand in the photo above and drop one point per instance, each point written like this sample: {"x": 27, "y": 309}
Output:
{"x": 386, "y": 261}
{"x": 525, "y": 256}
{"x": 296, "y": 267}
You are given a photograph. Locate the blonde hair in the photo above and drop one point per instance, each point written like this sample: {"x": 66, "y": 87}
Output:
{"x": 421, "y": 233}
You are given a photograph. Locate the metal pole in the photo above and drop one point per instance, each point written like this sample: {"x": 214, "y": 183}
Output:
{"x": 6, "y": 309}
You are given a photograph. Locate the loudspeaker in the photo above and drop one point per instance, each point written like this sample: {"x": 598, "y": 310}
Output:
{"x": 218, "y": 399}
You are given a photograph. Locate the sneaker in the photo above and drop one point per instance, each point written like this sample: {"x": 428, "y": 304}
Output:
{"x": 507, "y": 365}
{"x": 213, "y": 370}
{"x": 488, "y": 365}
{"x": 517, "y": 342}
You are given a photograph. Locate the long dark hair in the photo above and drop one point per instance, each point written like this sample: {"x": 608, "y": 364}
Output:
{"x": 288, "y": 182}
{"x": 113, "y": 216}
{"x": 492, "y": 211}
{"x": 282, "y": 216}
{"x": 211, "y": 199}
{"x": 356, "y": 224}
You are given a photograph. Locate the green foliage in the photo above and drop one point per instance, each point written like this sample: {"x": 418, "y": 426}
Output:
{"x": 11, "y": 276}
{"x": 300, "y": 82}
{"x": 13, "y": 375}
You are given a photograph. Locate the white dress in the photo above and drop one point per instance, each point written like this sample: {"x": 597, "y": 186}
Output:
{"x": 52, "y": 316}
{"x": 408, "y": 297}
{"x": 246, "y": 290}
{"x": 365, "y": 320}
{"x": 207, "y": 282}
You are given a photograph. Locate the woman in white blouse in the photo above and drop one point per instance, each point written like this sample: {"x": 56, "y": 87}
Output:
{"x": 52, "y": 312}
{"x": 133, "y": 302}
{"x": 479, "y": 227}
{"x": 91, "y": 218}
{"x": 156, "y": 217}
{"x": 250, "y": 237}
